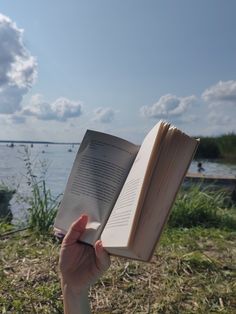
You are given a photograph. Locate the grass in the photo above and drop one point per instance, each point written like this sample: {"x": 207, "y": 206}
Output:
{"x": 42, "y": 206}
{"x": 203, "y": 207}
{"x": 177, "y": 280}
{"x": 192, "y": 271}
{"x": 28, "y": 272}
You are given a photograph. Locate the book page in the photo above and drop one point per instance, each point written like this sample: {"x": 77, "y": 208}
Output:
{"x": 121, "y": 221}
{"x": 98, "y": 174}
{"x": 175, "y": 156}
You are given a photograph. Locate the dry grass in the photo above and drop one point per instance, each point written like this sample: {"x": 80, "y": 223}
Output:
{"x": 193, "y": 271}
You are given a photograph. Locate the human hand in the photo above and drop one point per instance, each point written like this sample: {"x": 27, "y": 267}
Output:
{"x": 80, "y": 264}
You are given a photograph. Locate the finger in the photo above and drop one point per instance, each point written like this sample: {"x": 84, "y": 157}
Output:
{"x": 102, "y": 257}
{"x": 76, "y": 230}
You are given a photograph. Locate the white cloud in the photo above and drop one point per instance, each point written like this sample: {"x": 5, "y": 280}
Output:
{"x": 168, "y": 105}
{"x": 221, "y": 109}
{"x": 223, "y": 93}
{"x": 17, "y": 66}
{"x": 219, "y": 119}
{"x": 61, "y": 109}
{"x": 104, "y": 115}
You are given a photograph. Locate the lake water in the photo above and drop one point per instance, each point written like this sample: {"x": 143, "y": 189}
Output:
{"x": 59, "y": 162}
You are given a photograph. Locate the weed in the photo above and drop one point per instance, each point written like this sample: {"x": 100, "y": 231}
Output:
{"x": 5, "y": 226}
{"x": 42, "y": 205}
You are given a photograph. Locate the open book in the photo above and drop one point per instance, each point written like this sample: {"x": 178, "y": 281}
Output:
{"x": 126, "y": 190}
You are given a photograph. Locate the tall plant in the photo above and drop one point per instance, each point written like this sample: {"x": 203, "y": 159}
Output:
{"x": 201, "y": 207}
{"x": 42, "y": 206}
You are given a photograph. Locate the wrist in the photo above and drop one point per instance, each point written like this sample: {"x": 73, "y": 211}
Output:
{"x": 75, "y": 301}
{"x": 76, "y": 290}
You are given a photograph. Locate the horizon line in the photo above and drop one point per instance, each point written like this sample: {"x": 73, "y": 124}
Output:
{"x": 38, "y": 142}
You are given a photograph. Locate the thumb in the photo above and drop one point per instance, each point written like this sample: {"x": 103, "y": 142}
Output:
{"x": 76, "y": 230}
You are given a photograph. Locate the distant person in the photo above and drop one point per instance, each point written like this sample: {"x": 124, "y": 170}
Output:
{"x": 200, "y": 168}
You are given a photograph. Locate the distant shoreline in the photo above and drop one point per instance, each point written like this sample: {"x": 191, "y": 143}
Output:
{"x": 38, "y": 142}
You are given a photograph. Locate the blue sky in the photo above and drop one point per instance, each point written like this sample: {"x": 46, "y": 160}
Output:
{"x": 116, "y": 66}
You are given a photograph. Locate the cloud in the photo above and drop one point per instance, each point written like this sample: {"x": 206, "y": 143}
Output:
{"x": 221, "y": 101}
{"x": 217, "y": 118}
{"x": 168, "y": 105}
{"x": 104, "y": 115}
{"x": 221, "y": 93}
{"x": 61, "y": 109}
{"x": 17, "y": 67}
{"x": 18, "y": 119}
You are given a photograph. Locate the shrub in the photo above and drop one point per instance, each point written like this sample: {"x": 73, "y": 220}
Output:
{"x": 5, "y": 197}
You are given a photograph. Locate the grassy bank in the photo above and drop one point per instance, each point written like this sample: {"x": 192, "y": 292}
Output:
{"x": 221, "y": 147}
{"x": 192, "y": 271}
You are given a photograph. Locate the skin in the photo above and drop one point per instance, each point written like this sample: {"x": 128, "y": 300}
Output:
{"x": 80, "y": 266}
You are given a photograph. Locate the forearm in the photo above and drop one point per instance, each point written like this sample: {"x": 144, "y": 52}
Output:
{"x": 75, "y": 303}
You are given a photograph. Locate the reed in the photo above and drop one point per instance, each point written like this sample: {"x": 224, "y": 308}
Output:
{"x": 223, "y": 146}
{"x": 227, "y": 146}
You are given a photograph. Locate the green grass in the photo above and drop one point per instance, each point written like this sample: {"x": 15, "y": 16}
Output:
{"x": 42, "y": 206}
{"x": 5, "y": 226}
{"x": 203, "y": 207}
{"x": 192, "y": 271}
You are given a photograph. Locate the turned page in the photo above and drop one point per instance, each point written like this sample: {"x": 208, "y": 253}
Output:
{"x": 121, "y": 221}
{"x": 97, "y": 176}
{"x": 175, "y": 156}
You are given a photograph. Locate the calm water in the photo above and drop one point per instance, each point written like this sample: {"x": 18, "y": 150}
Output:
{"x": 59, "y": 162}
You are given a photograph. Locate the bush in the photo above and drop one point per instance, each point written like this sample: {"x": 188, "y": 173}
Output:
{"x": 5, "y": 197}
